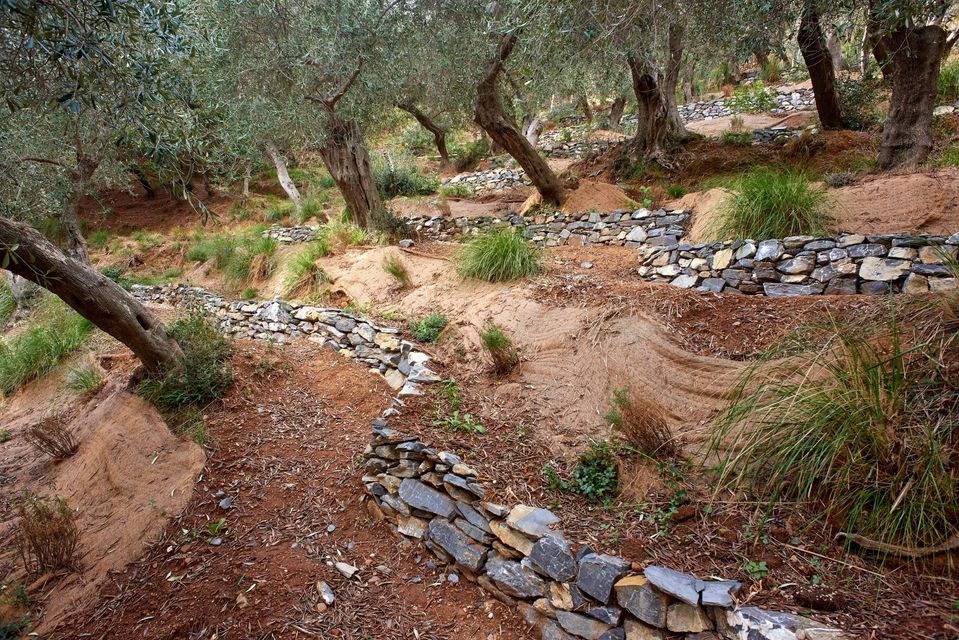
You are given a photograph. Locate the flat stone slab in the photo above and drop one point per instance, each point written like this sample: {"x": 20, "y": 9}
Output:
{"x": 513, "y": 578}
{"x": 580, "y": 625}
{"x": 679, "y": 585}
{"x": 637, "y": 595}
{"x": 597, "y": 574}
{"x": 419, "y": 496}
{"x": 553, "y": 557}
{"x": 457, "y": 544}
{"x": 532, "y": 521}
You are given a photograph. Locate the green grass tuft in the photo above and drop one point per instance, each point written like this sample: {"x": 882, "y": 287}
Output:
{"x": 303, "y": 276}
{"x": 428, "y": 329}
{"x": 767, "y": 203}
{"x": 56, "y": 333}
{"x": 864, "y": 421}
{"x": 84, "y": 379}
{"x": 393, "y": 265}
{"x": 500, "y": 348}
{"x": 498, "y": 255}
{"x": 8, "y": 303}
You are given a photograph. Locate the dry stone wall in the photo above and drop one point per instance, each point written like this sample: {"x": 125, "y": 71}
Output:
{"x": 520, "y": 555}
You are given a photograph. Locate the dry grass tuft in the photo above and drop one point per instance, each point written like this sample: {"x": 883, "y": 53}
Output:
{"x": 642, "y": 423}
{"x": 47, "y": 538}
{"x": 52, "y": 437}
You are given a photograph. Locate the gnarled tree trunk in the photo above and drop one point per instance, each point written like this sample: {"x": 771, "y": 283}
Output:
{"x": 812, "y": 44}
{"x": 346, "y": 159}
{"x": 674, "y": 66}
{"x": 283, "y": 175}
{"x": 616, "y": 113}
{"x": 689, "y": 82}
{"x": 914, "y": 65}
{"x": 439, "y": 134}
{"x": 91, "y": 294}
{"x": 652, "y": 112}
{"x": 583, "y": 103}
{"x": 836, "y": 56}
{"x": 489, "y": 114}
{"x": 532, "y": 131}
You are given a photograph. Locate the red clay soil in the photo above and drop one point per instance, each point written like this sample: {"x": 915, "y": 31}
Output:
{"x": 285, "y": 451}
{"x": 122, "y": 211}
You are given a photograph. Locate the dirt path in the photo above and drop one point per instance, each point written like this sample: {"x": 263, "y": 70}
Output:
{"x": 285, "y": 451}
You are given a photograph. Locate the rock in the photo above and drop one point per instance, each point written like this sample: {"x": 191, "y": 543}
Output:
{"x": 510, "y": 537}
{"x": 544, "y": 607}
{"x": 597, "y": 574}
{"x": 938, "y": 285}
{"x": 718, "y": 593}
{"x": 638, "y": 234}
{"x": 768, "y": 250}
{"x": 411, "y": 526}
{"x": 474, "y": 517}
{"x": 903, "y": 253}
{"x": 461, "y": 548}
{"x": 866, "y": 251}
{"x": 748, "y": 250}
{"x": 722, "y": 259}
{"x": 915, "y": 284}
{"x": 685, "y": 281}
{"x": 874, "y": 288}
{"x": 637, "y": 595}
{"x": 851, "y": 239}
{"x": 532, "y": 521}
{"x": 560, "y": 596}
{"x": 580, "y": 625}
{"x": 636, "y": 630}
{"x": 473, "y": 532}
{"x": 712, "y": 285}
{"x": 679, "y": 585}
{"x": 883, "y": 269}
{"x": 799, "y": 264}
{"x": 513, "y": 578}
{"x": 935, "y": 254}
{"x": 610, "y": 614}
{"x": 780, "y": 289}
{"x": 419, "y": 496}
{"x": 669, "y": 270}
{"x": 552, "y": 556}
{"x": 552, "y": 631}
{"x": 346, "y": 569}
{"x": 687, "y": 618}
{"x": 326, "y": 593}
{"x": 394, "y": 378}
{"x": 615, "y": 633}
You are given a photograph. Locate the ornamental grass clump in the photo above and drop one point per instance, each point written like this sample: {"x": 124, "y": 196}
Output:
{"x": 47, "y": 535}
{"x": 498, "y": 255}
{"x": 500, "y": 348}
{"x": 769, "y": 203}
{"x": 862, "y": 421}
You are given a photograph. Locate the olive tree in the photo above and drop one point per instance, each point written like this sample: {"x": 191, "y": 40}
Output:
{"x": 81, "y": 83}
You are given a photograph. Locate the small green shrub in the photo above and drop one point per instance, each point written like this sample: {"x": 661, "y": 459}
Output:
{"x": 676, "y": 191}
{"x": 8, "y": 303}
{"x": 455, "y": 191}
{"x": 500, "y": 348}
{"x": 767, "y": 203}
{"x": 837, "y": 179}
{"x": 219, "y": 248}
{"x": 948, "y": 158}
{"x": 860, "y": 419}
{"x": 57, "y": 332}
{"x": 312, "y": 208}
{"x": 751, "y": 98}
{"x": 498, "y": 255}
{"x": 84, "y": 379}
{"x": 205, "y": 374}
{"x": 428, "y": 329}
{"x": 771, "y": 71}
{"x": 398, "y": 175}
{"x": 394, "y": 266}
{"x": 736, "y": 139}
{"x": 250, "y": 293}
{"x": 457, "y": 421}
{"x": 303, "y": 276}
{"x": 342, "y": 233}
{"x": 279, "y": 211}
{"x": 469, "y": 154}
{"x": 254, "y": 258}
{"x": 948, "y": 81}
{"x": 98, "y": 238}
{"x": 417, "y": 140}
{"x": 596, "y": 476}
{"x": 859, "y": 101}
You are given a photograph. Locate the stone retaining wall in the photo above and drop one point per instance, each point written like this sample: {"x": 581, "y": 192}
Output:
{"x": 352, "y": 335}
{"x": 521, "y": 556}
{"x": 786, "y": 102}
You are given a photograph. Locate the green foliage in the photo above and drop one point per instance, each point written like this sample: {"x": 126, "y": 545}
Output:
{"x": 250, "y": 293}
{"x": 457, "y": 421}
{"x": 859, "y": 101}
{"x": 737, "y": 138}
{"x": 312, "y": 207}
{"x": 756, "y": 570}
{"x": 417, "y": 140}
{"x": 751, "y": 98}
{"x": 449, "y": 410}
{"x": 596, "y": 476}
{"x": 205, "y": 373}
{"x": 250, "y": 255}
{"x": 948, "y": 81}
{"x": 862, "y": 419}
{"x": 394, "y": 266}
{"x": 428, "y": 328}
{"x": 949, "y": 157}
{"x": 676, "y": 191}
{"x": 279, "y": 211}
{"x": 303, "y": 276}
{"x": 98, "y": 238}
{"x": 455, "y": 191}
{"x": 469, "y": 154}
{"x": 771, "y": 71}
{"x": 57, "y": 332}
{"x": 498, "y": 255}
{"x": 84, "y": 379}
{"x": 768, "y": 203}
{"x": 218, "y": 247}
{"x": 8, "y": 304}
{"x": 398, "y": 175}
{"x": 500, "y": 348}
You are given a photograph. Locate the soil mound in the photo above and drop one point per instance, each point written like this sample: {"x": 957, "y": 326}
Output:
{"x": 588, "y": 196}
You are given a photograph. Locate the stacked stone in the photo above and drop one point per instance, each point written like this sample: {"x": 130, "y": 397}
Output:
{"x": 786, "y": 102}
{"x": 353, "y": 336}
{"x": 522, "y": 557}
{"x": 289, "y": 235}
{"x": 492, "y": 181}
{"x": 780, "y": 134}
{"x": 807, "y": 265}
{"x": 622, "y": 228}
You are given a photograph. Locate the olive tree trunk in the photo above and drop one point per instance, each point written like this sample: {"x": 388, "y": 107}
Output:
{"x": 914, "y": 66}
{"x": 674, "y": 66}
{"x": 283, "y": 175}
{"x": 348, "y": 162}
{"x": 616, "y": 113}
{"x": 583, "y": 104}
{"x": 439, "y": 134}
{"x": 532, "y": 131}
{"x": 489, "y": 114}
{"x": 652, "y": 112}
{"x": 91, "y": 294}
{"x": 812, "y": 45}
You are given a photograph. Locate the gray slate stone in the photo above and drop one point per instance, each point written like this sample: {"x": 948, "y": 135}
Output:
{"x": 457, "y": 544}
{"x": 580, "y": 625}
{"x": 419, "y": 496}
{"x": 768, "y": 250}
{"x": 552, "y": 556}
{"x": 775, "y": 289}
{"x": 637, "y": 595}
{"x": 532, "y": 521}
{"x": 513, "y": 578}
{"x": 474, "y": 517}
{"x": 597, "y": 574}
{"x": 679, "y": 585}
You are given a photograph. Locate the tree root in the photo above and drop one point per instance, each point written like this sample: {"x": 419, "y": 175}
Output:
{"x": 898, "y": 550}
